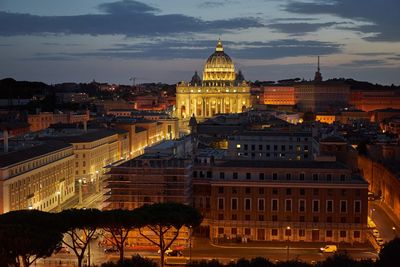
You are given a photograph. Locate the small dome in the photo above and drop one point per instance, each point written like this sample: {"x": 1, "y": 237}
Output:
{"x": 239, "y": 77}
{"x": 196, "y": 80}
{"x": 219, "y": 66}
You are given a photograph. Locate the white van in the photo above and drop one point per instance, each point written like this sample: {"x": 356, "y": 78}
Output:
{"x": 329, "y": 249}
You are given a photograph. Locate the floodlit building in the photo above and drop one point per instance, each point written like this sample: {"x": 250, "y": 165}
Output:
{"x": 39, "y": 177}
{"x": 221, "y": 90}
{"x": 281, "y": 200}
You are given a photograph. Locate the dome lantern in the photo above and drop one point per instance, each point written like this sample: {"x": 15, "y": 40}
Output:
{"x": 219, "y": 66}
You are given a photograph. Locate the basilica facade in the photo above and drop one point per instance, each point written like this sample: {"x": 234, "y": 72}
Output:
{"x": 221, "y": 90}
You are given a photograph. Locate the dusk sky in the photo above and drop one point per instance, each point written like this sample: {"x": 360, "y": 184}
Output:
{"x": 167, "y": 40}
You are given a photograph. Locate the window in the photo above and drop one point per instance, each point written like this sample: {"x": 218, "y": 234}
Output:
{"x": 274, "y": 191}
{"x": 221, "y": 175}
{"x": 288, "y": 176}
{"x": 356, "y": 234}
{"x": 268, "y": 147}
{"x": 260, "y": 147}
{"x": 329, "y": 219}
{"x": 302, "y": 205}
{"x": 261, "y": 176}
{"x": 209, "y": 174}
{"x": 288, "y": 205}
{"x": 275, "y": 147}
{"x": 302, "y": 191}
{"x": 283, "y": 147}
{"x": 302, "y": 232}
{"x": 233, "y": 231}
{"x": 301, "y": 177}
{"x": 234, "y": 203}
{"x": 220, "y": 230}
{"x": 220, "y": 203}
{"x": 329, "y": 233}
{"x": 357, "y": 206}
{"x": 246, "y": 147}
{"x": 253, "y": 147}
{"x": 315, "y": 177}
{"x": 342, "y": 177}
{"x": 315, "y": 205}
{"x": 274, "y": 205}
{"x": 248, "y": 176}
{"x": 329, "y": 206}
{"x": 220, "y": 216}
{"x": 343, "y": 206}
{"x": 274, "y": 232}
{"x": 261, "y": 204}
{"x": 194, "y": 174}
{"x": 247, "y": 204}
{"x": 329, "y": 177}
{"x": 274, "y": 176}
{"x": 343, "y": 234}
{"x": 237, "y": 146}
{"x": 235, "y": 176}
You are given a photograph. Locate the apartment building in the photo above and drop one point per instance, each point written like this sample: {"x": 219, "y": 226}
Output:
{"x": 271, "y": 145}
{"x": 281, "y": 200}
{"x": 39, "y": 177}
{"x": 43, "y": 120}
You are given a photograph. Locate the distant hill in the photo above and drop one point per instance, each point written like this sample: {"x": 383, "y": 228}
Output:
{"x": 10, "y": 88}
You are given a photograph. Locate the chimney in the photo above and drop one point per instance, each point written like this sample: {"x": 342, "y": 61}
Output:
{"x": 5, "y": 136}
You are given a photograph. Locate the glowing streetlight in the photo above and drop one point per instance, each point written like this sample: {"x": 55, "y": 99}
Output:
{"x": 80, "y": 190}
{"x": 288, "y": 232}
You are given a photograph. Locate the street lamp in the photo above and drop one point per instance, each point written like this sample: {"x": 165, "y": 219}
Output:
{"x": 394, "y": 231}
{"x": 80, "y": 190}
{"x": 97, "y": 182}
{"x": 58, "y": 201}
{"x": 288, "y": 232}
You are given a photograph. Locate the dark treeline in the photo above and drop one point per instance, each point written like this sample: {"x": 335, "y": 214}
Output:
{"x": 27, "y": 235}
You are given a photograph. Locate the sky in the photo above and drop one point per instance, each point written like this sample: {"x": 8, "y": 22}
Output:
{"x": 58, "y": 41}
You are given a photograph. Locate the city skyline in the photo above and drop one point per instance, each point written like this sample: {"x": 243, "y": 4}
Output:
{"x": 111, "y": 41}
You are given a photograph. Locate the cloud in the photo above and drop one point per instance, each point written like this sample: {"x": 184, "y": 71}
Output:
{"x": 191, "y": 49}
{"x": 364, "y": 63}
{"x": 126, "y": 17}
{"x": 380, "y": 16}
{"x": 300, "y": 28}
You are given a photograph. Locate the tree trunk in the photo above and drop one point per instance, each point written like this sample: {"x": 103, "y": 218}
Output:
{"x": 80, "y": 259}
{"x": 25, "y": 261}
{"x": 162, "y": 258}
{"x": 121, "y": 253}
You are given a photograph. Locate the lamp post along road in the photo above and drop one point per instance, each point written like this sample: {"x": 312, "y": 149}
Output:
{"x": 97, "y": 182}
{"x": 80, "y": 190}
{"x": 288, "y": 233}
{"x": 58, "y": 201}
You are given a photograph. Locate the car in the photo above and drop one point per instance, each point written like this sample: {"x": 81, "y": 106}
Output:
{"x": 380, "y": 241}
{"x": 111, "y": 250}
{"x": 371, "y": 196}
{"x": 328, "y": 249}
{"x": 174, "y": 253}
{"x": 375, "y": 233}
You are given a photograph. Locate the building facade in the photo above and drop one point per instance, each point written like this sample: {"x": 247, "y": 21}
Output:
{"x": 283, "y": 201}
{"x": 40, "y": 177}
{"x": 43, "y": 120}
{"x": 271, "y": 145}
{"x": 221, "y": 90}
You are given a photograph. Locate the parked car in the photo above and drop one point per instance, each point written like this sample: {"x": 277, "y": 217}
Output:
{"x": 111, "y": 250}
{"x": 174, "y": 253}
{"x": 380, "y": 241}
{"x": 375, "y": 233}
{"x": 328, "y": 249}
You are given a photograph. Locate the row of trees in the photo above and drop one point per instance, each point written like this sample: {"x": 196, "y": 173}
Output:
{"x": 27, "y": 235}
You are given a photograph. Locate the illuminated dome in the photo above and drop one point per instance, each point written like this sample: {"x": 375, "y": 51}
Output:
{"x": 219, "y": 66}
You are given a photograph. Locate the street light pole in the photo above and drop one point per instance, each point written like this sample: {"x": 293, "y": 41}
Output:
{"x": 97, "y": 182}
{"x": 288, "y": 240}
{"x": 80, "y": 190}
{"x": 394, "y": 231}
{"x": 58, "y": 201}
